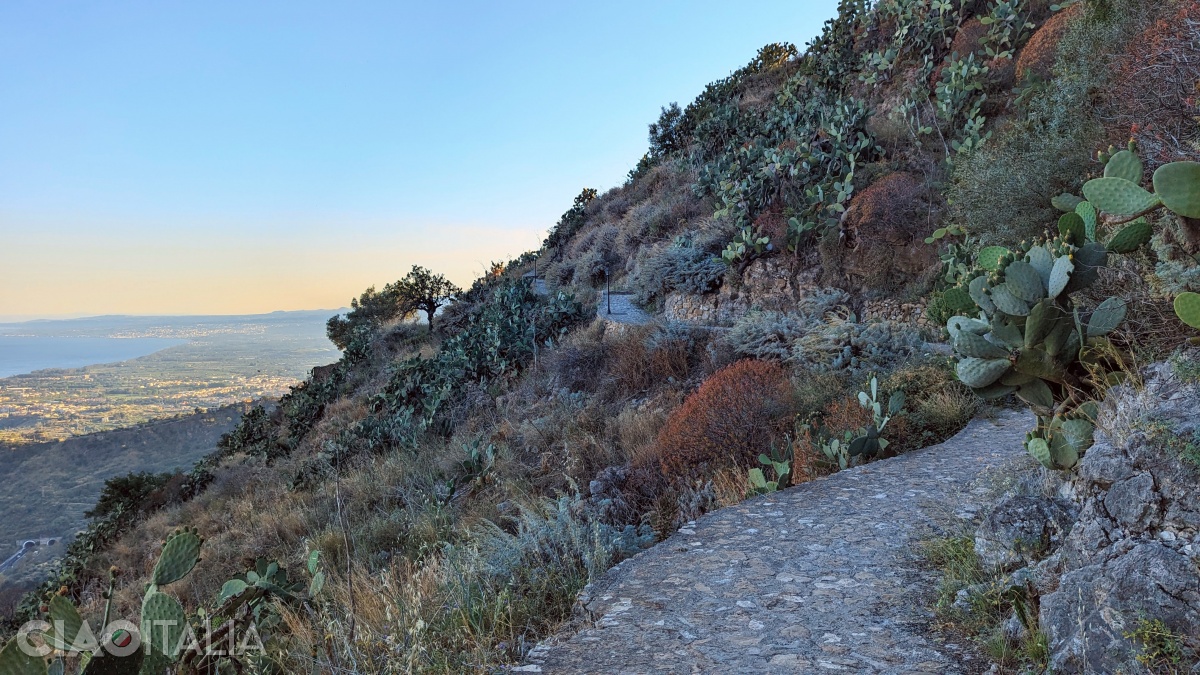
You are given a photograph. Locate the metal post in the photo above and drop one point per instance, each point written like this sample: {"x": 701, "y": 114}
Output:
{"x": 608, "y": 290}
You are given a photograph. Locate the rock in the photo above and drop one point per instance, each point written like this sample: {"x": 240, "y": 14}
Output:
{"x": 1094, "y": 607}
{"x": 1131, "y": 555}
{"x": 1022, "y": 530}
{"x": 1131, "y": 502}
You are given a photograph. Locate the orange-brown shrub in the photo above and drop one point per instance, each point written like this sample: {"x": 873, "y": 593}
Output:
{"x": 636, "y": 366}
{"x": 1037, "y": 58}
{"x": 844, "y": 415}
{"x": 735, "y": 415}
{"x": 882, "y": 234}
{"x": 1156, "y": 89}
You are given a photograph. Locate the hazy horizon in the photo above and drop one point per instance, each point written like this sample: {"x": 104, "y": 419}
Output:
{"x": 18, "y": 318}
{"x": 224, "y": 158}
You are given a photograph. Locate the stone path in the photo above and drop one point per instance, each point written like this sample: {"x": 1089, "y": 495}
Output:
{"x": 623, "y": 310}
{"x": 822, "y": 577}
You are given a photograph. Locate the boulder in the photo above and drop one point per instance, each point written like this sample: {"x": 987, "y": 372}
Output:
{"x": 1022, "y": 530}
{"x": 1134, "y": 552}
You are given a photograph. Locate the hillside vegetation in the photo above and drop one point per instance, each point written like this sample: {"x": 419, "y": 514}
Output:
{"x": 462, "y": 482}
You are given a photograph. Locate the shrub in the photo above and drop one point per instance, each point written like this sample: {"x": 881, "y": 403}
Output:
{"x": 770, "y": 334}
{"x": 1037, "y": 58}
{"x": 735, "y": 415}
{"x": 127, "y": 493}
{"x": 651, "y": 356}
{"x": 1001, "y": 192}
{"x": 679, "y": 266}
{"x": 1154, "y": 88}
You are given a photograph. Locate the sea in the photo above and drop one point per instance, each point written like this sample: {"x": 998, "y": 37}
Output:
{"x": 19, "y": 355}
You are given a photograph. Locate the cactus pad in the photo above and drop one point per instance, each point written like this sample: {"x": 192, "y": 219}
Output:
{"x": 61, "y": 610}
{"x": 1124, "y": 164}
{"x": 1072, "y": 228}
{"x": 963, "y": 323}
{"x": 1042, "y": 319}
{"x": 978, "y": 288}
{"x": 1088, "y": 213}
{"x": 163, "y": 624}
{"x": 1007, "y": 301}
{"x": 179, "y": 555}
{"x": 958, "y": 300}
{"x": 1040, "y": 450}
{"x": 1039, "y": 363}
{"x": 1187, "y": 307}
{"x": 1178, "y": 185}
{"x": 1037, "y": 394}
{"x": 989, "y": 257}
{"x": 1106, "y": 318}
{"x": 979, "y": 373}
{"x": 1042, "y": 261}
{"x": 1119, "y": 196}
{"x": 972, "y": 345}
{"x": 1089, "y": 258}
{"x": 1060, "y": 275}
{"x": 1132, "y": 237}
{"x": 13, "y": 661}
{"x": 1024, "y": 281}
{"x": 1065, "y": 202}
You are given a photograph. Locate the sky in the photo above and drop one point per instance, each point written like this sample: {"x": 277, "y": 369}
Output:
{"x": 225, "y": 157}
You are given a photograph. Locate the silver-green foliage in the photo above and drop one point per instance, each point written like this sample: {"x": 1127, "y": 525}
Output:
{"x": 1030, "y": 339}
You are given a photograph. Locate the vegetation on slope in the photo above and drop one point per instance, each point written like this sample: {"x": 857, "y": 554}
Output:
{"x": 462, "y": 484}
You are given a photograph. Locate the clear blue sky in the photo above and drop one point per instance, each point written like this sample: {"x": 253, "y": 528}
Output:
{"x": 213, "y": 157}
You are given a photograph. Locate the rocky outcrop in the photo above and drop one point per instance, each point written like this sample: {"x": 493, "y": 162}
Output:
{"x": 1134, "y": 552}
{"x": 768, "y": 283}
{"x": 1022, "y": 530}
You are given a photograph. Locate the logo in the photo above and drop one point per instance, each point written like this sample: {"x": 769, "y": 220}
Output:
{"x": 122, "y": 638}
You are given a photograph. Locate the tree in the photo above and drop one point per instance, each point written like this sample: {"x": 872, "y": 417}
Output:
{"x": 370, "y": 310}
{"x": 666, "y": 135}
{"x": 423, "y": 290}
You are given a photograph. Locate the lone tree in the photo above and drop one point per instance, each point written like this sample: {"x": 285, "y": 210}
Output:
{"x": 424, "y": 290}
{"x": 420, "y": 290}
{"x": 369, "y": 311}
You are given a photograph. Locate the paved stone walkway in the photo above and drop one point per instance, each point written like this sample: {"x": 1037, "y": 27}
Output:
{"x": 819, "y": 578}
{"x": 623, "y": 310}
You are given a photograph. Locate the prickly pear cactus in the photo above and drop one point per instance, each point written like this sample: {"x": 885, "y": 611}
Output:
{"x": 1132, "y": 237}
{"x": 1178, "y": 185}
{"x": 13, "y": 661}
{"x": 1029, "y": 337}
{"x": 165, "y": 616}
{"x": 1187, "y": 307}
{"x": 180, "y": 554}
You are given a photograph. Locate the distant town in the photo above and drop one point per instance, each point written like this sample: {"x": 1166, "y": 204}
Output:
{"x": 226, "y": 360}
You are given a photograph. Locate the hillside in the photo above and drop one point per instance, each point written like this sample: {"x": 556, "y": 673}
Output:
{"x": 848, "y": 252}
{"x": 46, "y": 488}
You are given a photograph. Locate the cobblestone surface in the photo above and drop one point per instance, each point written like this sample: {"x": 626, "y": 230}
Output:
{"x": 823, "y": 577}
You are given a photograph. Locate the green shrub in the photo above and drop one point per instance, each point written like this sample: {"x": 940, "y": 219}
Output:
{"x": 127, "y": 493}
{"x": 679, "y": 266}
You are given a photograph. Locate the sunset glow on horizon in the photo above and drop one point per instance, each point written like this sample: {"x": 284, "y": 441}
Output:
{"x": 223, "y": 158}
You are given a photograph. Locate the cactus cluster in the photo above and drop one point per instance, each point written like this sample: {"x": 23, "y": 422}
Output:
{"x": 163, "y": 619}
{"x": 1119, "y": 198}
{"x": 1029, "y": 338}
